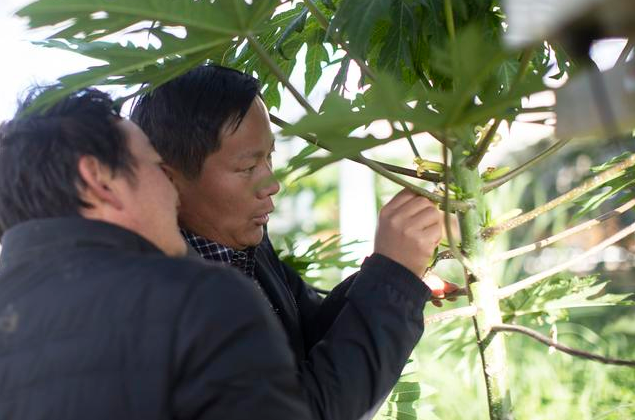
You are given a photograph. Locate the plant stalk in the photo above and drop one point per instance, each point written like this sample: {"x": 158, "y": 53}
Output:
{"x": 482, "y": 290}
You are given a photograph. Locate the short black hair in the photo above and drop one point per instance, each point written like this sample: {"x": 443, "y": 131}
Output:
{"x": 40, "y": 150}
{"x": 185, "y": 117}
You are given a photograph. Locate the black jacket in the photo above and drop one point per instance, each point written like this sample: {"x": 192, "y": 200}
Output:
{"x": 96, "y": 323}
{"x": 351, "y": 346}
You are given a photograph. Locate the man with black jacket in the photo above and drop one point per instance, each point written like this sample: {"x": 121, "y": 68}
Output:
{"x": 212, "y": 130}
{"x": 96, "y": 322}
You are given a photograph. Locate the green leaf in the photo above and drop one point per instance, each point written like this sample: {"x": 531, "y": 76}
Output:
{"x": 395, "y": 52}
{"x": 356, "y": 19}
{"x": 321, "y": 254}
{"x": 610, "y": 189}
{"x": 554, "y": 296}
{"x": 315, "y": 55}
{"x": 129, "y": 64}
{"x": 223, "y": 17}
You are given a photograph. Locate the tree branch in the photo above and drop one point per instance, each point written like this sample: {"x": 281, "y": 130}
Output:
{"x": 426, "y": 176}
{"x": 565, "y": 349}
{"x": 454, "y": 205}
{"x": 495, "y": 183}
{"x": 464, "y": 312}
{"x": 543, "y": 243}
{"x": 587, "y": 186}
{"x": 530, "y": 281}
{"x": 277, "y": 71}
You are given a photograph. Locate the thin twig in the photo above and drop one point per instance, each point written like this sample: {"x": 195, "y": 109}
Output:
{"x": 277, "y": 71}
{"x": 565, "y": 349}
{"x": 536, "y": 278}
{"x": 543, "y": 243}
{"x": 451, "y": 205}
{"x": 586, "y": 186}
{"x": 464, "y": 312}
{"x": 495, "y": 183}
{"x": 483, "y": 146}
{"x": 625, "y": 52}
{"x": 426, "y": 176}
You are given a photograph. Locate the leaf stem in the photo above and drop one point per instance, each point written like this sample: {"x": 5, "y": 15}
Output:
{"x": 464, "y": 312}
{"x": 561, "y": 347}
{"x": 410, "y": 140}
{"x": 536, "y": 278}
{"x": 426, "y": 176}
{"x": 587, "y": 186}
{"x": 495, "y": 183}
{"x": 275, "y": 69}
{"x": 451, "y": 205}
{"x": 543, "y": 243}
{"x": 483, "y": 146}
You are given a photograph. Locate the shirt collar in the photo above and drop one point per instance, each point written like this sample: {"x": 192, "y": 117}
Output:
{"x": 245, "y": 260}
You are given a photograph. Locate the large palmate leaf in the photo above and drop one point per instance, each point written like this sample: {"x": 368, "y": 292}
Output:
{"x": 357, "y": 19}
{"x": 223, "y": 17}
{"x": 623, "y": 183}
{"x": 210, "y": 30}
{"x": 554, "y": 296}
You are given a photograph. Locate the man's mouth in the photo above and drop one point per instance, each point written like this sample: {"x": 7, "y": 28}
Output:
{"x": 263, "y": 218}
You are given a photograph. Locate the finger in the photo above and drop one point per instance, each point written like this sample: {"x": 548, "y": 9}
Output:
{"x": 437, "y": 303}
{"x": 449, "y": 287}
{"x": 414, "y": 205}
{"x": 426, "y": 217}
{"x": 452, "y": 299}
{"x": 399, "y": 199}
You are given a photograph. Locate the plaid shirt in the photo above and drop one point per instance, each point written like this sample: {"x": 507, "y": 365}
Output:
{"x": 245, "y": 261}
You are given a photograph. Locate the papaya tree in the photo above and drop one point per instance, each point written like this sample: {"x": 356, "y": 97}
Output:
{"x": 425, "y": 66}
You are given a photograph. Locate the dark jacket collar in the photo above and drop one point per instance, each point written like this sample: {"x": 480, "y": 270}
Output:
{"x": 27, "y": 239}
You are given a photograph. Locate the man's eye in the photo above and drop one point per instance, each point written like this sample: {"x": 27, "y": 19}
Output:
{"x": 250, "y": 169}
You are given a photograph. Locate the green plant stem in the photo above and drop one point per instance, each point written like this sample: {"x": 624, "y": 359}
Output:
{"x": 453, "y": 205}
{"x": 410, "y": 140}
{"x": 626, "y": 51}
{"x": 495, "y": 183}
{"x": 449, "y": 19}
{"x": 482, "y": 290}
{"x": 565, "y": 349}
{"x": 536, "y": 278}
{"x": 587, "y": 186}
{"x": 426, "y": 176}
{"x": 483, "y": 146}
{"x": 543, "y": 243}
{"x": 464, "y": 312}
{"x": 277, "y": 71}
{"x": 456, "y": 252}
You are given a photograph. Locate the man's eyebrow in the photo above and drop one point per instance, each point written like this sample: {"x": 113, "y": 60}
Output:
{"x": 257, "y": 153}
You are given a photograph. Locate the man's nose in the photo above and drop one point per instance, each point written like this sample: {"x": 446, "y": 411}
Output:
{"x": 269, "y": 186}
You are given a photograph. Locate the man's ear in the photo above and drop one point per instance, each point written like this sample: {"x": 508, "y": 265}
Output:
{"x": 98, "y": 183}
{"x": 175, "y": 176}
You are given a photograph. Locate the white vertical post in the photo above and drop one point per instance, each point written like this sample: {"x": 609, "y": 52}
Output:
{"x": 358, "y": 212}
